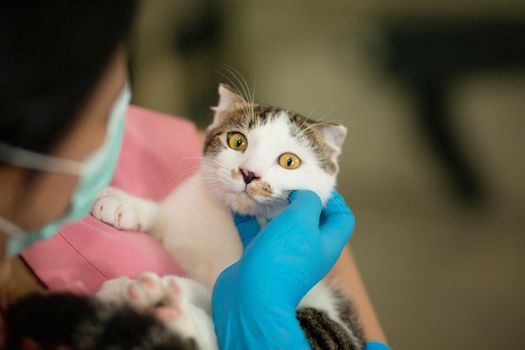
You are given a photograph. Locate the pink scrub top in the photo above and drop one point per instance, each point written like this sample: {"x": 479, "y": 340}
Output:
{"x": 158, "y": 152}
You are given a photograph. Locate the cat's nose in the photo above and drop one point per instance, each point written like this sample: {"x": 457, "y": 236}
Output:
{"x": 248, "y": 175}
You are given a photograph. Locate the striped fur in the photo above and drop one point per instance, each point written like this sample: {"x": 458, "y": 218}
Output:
{"x": 323, "y": 333}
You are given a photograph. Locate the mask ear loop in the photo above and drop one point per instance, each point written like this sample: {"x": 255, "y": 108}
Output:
{"x": 36, "y": 161}
{"x": 9, "y": 228}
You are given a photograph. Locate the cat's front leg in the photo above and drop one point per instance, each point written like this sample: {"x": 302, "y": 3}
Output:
{"x": 125, "y": 211}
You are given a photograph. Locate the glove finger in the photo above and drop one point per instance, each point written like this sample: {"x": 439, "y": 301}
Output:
{"x": 376, "y": 345}
{"x": 305, "y": 206}
{"x": 300, "y": 217}
{"x": 339, "y": 222}
{"x": 247, "y": 226}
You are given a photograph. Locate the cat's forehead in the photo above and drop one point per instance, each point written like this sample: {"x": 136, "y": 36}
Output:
{"x": 276, "y": 123}
{"x": 275, "y": 127}
{"x": 274, "y": 119}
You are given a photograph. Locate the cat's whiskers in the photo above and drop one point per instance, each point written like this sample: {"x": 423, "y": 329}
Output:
{"x": 271, "y": 205}
{"x": 185, "y": 159}
{"x": 240, "y": 84}
{"x": 235, "y": 87}
{"x": 310, "y": 115}
{"x": 216, "y": 165}
{"x": 214, "y": 173}
{"x": 236, "y": 82}
{"x": 318, "y": 121}
{"x": 335, "y": 108}
{"x": 214, "y": 181}
{"x": 203, "y": 166}
{"x": 200, "y": 166}
{"x": 241, "y": 80}
{"x": 211, "y": 160}
{"x": 252, "y": 101}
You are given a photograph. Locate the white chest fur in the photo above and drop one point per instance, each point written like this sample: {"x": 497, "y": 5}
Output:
{"x": 198, "y": 231}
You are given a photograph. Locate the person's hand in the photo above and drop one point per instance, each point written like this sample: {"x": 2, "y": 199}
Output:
{"x": 376, "y": 345}
{"x": 255, "y": 299}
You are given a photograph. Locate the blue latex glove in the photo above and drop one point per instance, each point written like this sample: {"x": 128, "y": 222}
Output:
{"x": 254, "y": 300}
{"x": 375, "y": 345}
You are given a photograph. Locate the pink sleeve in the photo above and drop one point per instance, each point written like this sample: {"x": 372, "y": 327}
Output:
{"x": 158, "y": 152}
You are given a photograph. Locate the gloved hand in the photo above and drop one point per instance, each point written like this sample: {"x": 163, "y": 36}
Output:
{"x": 254, "y": 300}
{"x": 375, "y": 345}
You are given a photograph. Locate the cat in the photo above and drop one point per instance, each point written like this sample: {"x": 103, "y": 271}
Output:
{"x": 254, "y": 156}
{"x": 194, "y": 221}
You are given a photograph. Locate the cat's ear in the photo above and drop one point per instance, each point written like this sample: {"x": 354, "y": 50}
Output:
{"x": 226, "y": 98}
{"x": 334, "y": 135}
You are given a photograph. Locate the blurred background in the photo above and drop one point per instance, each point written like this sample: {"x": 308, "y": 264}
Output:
{"x": 433, "y": 95}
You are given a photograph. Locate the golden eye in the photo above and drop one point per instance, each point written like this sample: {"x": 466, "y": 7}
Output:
{"x": 289, "y": 161}
{"x": 237, "y": 141}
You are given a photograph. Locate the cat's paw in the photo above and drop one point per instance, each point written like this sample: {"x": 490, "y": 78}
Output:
{"x": 114, "y": 207}
{"x": 174, "y": 310}
{"x": 145, "y": 292}
{"x": 165, "y": 297}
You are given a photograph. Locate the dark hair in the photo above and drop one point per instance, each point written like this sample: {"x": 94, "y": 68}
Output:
{"x": 52, "y": 53}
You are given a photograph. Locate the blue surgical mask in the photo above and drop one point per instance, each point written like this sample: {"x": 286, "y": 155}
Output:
{"x": 94, "y": 174}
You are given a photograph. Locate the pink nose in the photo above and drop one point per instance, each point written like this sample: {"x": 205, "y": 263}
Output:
{"x": 248, "y": 175}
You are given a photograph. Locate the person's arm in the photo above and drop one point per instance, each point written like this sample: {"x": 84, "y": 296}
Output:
{"x": 17, "y": 280}
{"x": 348, "y": 278}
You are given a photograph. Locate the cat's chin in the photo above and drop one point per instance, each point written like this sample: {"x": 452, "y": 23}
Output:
{"x": 243, "y": 203}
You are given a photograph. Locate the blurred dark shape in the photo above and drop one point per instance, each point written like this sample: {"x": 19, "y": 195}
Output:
{"x": 430, "y": 56}
{"x": 198, "y": 41}
{"x": 201, "y": 31}
{"x": 52, "y": 54}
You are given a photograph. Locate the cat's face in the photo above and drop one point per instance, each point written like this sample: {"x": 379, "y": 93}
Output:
{"x": 255, "y": 155}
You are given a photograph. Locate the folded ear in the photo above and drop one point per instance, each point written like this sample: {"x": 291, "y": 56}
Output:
{"x": 226, "y": 98}
{"x": 334, "y": 135}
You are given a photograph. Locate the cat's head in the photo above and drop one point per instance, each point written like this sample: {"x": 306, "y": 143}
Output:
{"x": 255, "y": 155}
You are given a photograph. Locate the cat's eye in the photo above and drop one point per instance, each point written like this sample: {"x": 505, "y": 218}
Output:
{"x": 289, "y": 161}
{"x": 237, "y": 141}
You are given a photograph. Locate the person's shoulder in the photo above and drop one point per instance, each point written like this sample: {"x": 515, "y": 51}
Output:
{"x": 137, "y": 114}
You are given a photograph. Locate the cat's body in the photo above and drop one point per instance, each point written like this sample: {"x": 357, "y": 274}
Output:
{"x": 191, "y": 223}
{"x": 194, "y": 222}
{"x": 254, "y": 156}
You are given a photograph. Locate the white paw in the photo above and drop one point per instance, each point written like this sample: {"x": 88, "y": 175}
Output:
{"x": 114, "y": 208}
{"x": 145, "y": 292}
{"x": 165, "y": 297}
{"x": 175, "y": 309}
